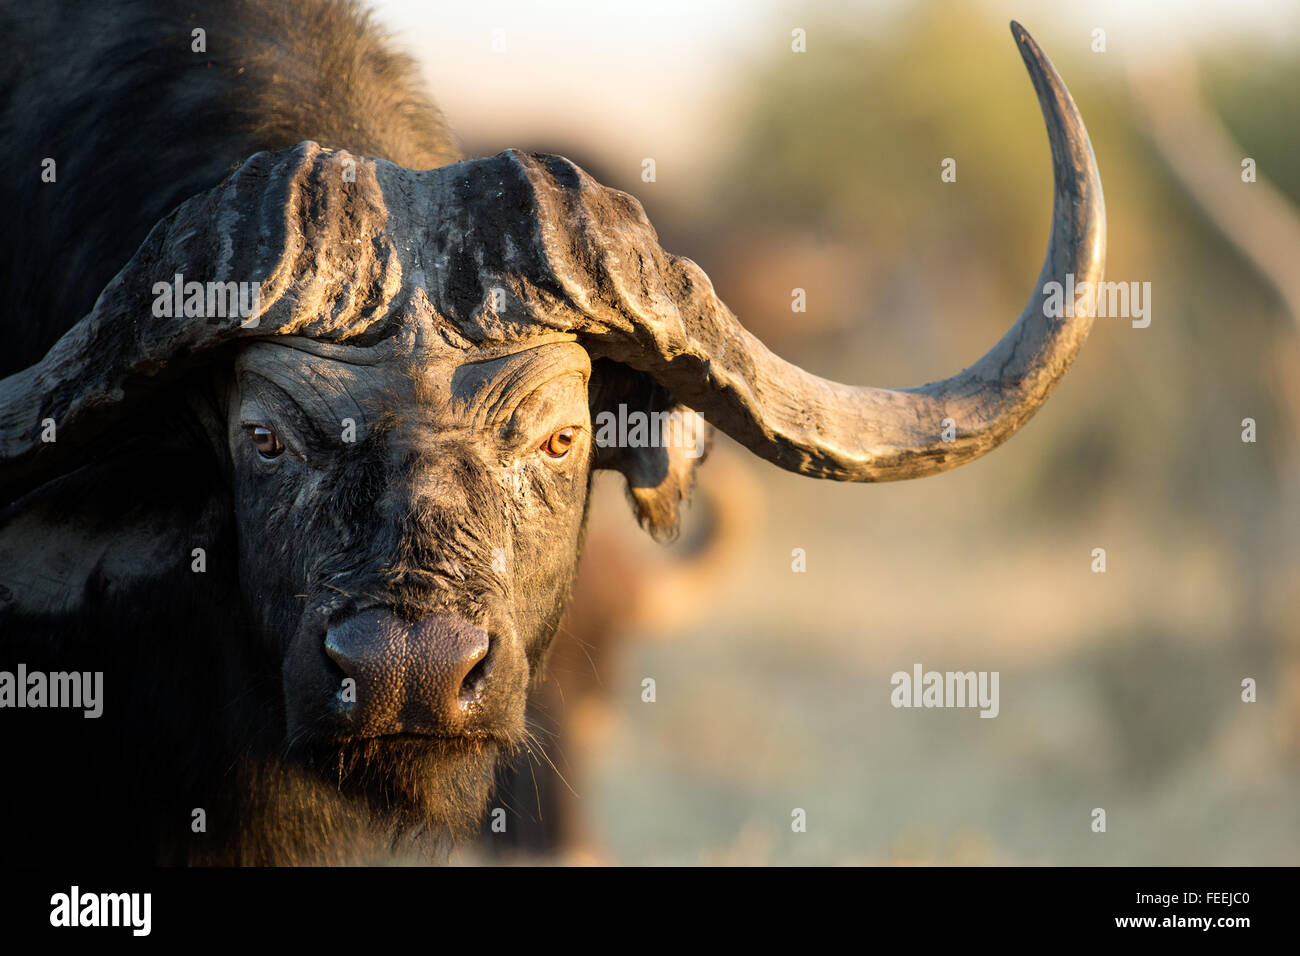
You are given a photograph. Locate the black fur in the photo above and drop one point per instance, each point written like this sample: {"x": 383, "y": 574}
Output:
{"x": 137, "y": 122}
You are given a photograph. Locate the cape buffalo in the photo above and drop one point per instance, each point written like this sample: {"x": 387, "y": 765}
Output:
{"x": 300, "y": 416}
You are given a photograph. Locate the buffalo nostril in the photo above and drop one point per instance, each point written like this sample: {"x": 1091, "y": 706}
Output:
{"x": 344, "y": 667}
{"x": 471, "y": 688}
{"x": 338, "y": 656}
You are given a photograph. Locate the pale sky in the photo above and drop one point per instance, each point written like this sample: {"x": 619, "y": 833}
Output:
{"x": 649, "y": 78}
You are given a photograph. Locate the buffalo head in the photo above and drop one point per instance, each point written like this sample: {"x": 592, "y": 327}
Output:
{"x": 383, "y": 467}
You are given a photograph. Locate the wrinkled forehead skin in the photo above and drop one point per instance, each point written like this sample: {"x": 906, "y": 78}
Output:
{"x": 420, "y": 380}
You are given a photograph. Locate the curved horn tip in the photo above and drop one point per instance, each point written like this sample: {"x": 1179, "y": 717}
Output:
{"x": 1025, "y": 40}
{"x": 1030, "y": 51}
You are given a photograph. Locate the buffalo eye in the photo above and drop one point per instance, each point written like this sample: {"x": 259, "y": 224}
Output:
{"x": 266, "y": 441}
{"x": 558, "y": 445}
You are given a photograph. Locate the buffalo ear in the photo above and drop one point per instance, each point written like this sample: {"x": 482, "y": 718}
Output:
{"x": 659, "y": 476}
{"x": 94, "y": 540}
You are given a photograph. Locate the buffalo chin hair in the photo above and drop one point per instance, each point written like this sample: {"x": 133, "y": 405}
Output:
{"x": 364, "y": 801}
{"x": 414, "y": 786}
